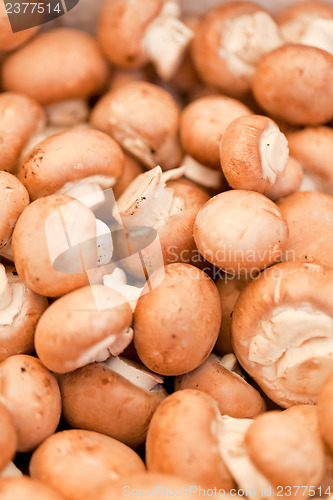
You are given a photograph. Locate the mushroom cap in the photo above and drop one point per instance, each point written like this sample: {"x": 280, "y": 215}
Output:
{"x": 40, "y": 68}
{"x": 32, "y": 395}
{"x": 97, "y": 398}
{"x": 40, "y": 232}
{"x": 304, "y": 10}
{"x": 185, "y": 311}
{"x": 181, "y": 440}
{"x": 73, "y": 331}
{"x": 132, "y": 169}
{"x": 309, "y": 215}
{"x": 8, "y": 437}
{"x": 325, "y": 412}
{"x": 14, "y": 198}
{"x": 283, "y": 84}
{"x": 132, "y": 116}
{"x": 20, "y": 118}
{"x": 313, "y": 148}
{"x": 17, "y": 332}
{"x": 68, "y": 157}
{"x": 255, "y": 239}
{"x": 233, "y": 394}
{"x": 288, "y": 181}
{"x": 13, "y": 488}
{"x": 282, "y": 333}
{"x": 203, "y": 123}
{"x": 76, "y": 463}
{"x": 286, "y": 452}
{"x": 8, "y": 39}
{"x": 121, "y": 28}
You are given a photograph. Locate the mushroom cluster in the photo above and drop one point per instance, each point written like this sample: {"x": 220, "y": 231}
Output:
{"x": 166, "y": 244}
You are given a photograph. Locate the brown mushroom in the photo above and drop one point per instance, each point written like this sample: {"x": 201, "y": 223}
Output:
{"x": 8, "y": 437}
{"x": 27, "y": 488}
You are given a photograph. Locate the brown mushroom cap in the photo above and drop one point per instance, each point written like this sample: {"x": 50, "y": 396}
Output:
{"x": 283, "y": 84}
{"x": 282, "y": 330}
{"x": 132, "y": 116}
{"x": 185, "y": 311}
{"x": 288, "y": 181}
{"x": 20, "y": 118}
{"x": 98, "y": 398}
{"x": 14, "y": 198}
{"x": 71, "y": 67}
{"x": 8, "y": 39}
{"x": 8, "y": 437}
{"x": 14, "y": 488}
{"x": 240, "y": 232}
{"x": 76, "y": 463}
{"x": 74, "y": 331}
{"x": 233, "y": 394}
{"x": 203, "y": 123}
{"x": 309, "y": 216}
{"x": 69, "y": 157}
{"x": 40, "y": 231}
{"x": 286, "y": 452}
{"x": 181, "y": 440}
{"x": 32, "y": 395}
{"x": 325, "y": 412}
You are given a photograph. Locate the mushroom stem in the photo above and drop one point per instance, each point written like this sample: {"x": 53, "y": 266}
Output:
{"x": 6, "y": 292}
{"x": 201, "y": 174}
{"x": 10, "y": 471}
{"x": 117, "y": 281}
{"x": 274, "y": 152}
{"x": 67, "y": 113}
{"x": 90, "y": 191}
{"x": 134, "y": 373}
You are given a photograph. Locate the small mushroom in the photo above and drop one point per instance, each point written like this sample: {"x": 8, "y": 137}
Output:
{"x": 283, "y": 84}
{"x": 228, "y": 43}
{"x": 184, "y": 308}
{"x": 27, "y": 488}
{"x": 241, "y": 232}
{"x": 288, "y": 181}
{"x": 116, "y": 397}
{"x": 8, "y": 39}
{"x": 77, "y": 463}
{"x": 31, "y": 394}
{"x": 253, "y": 153}
{"x": 133, "y": 33}
{"x": 282, "y": 331}
{"x": 8, "y": 437}
{"x": 325, "y": 412}
{"x": 132, "y": 116}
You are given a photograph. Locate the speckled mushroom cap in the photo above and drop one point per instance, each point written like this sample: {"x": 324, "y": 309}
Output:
{"x": 8, "y": 39}
{"x": 253, "y": 153}
{"x": 285, "y": 451}
{"x": 21, "y": 308}
{"x": 283, "y": 84}
{"x": 234, "y": 395}
{"x": 55, "y": 66}
{"x": 64, "y": 159}
{"x": 288, "y": 181}
{"x": 313, "y": 148}
{"x": 282, "y": 331}
{"x": 185, "y": 311}
{"x": 325, "y": 412}
{"x": 76, "y": 463}
{"x": 20, "y": 118}
{"x": 39, "y": 242}
{"x": 229, "y": 41}
{"x": 27, "y": 488}
{"x": 309, "y": 216}
{"x": 240, "y": 232}
{"x": 32, "y": 395}
{"x": 8, "y": 437}
{"x": 203, "y": 123}
{"x": 132, "y": 116}
{"x": 14, "y": 198}
{"x": 118, "y": 402}
{"x": 83, "y": 326}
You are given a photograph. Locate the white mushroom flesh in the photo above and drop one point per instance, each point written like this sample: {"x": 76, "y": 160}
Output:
{"x": 205, "y": 176}
{"x": 10, "y": 471}
{"x": 117, "y": 281}
{"x": 134, "y": 373}
{"x": 89, "y": 190}
{"x": 67, "y": 113}
{"x": 11, "y": 299}
{"x": 308, "y": 30}
{"x": 274, "y": 152}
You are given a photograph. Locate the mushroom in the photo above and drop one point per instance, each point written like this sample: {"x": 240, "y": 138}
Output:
{"x": 282, "y": 331}
{"x": 77, "y": 463}
{"x": 241, "y": 232}
{"x": 132, "y": 169}
{"x": 234, "y": 395}
{"x": 309, "y": 216}
{"x": 20, "y": 309}
{"x": 31, "y": 394}
{"x": 20, "y": 118}
{"x": 77, "y": 162}
{"x": 253, "y": 153}
{"x": 116, "y": 397}
{"x": 283, "y": 84}
{"x": 325, "y": 411}
{"x": 27, "y": 488}
{"x": 8, "y": 437}
{"x": 184, "y": 308}
{"x": 288, "y": 181}
{"x": 82, "y": 327}
{"x": 228, "y": 43}
{"x": 51, "y": 250}
{"x": 10, "y": 40}
{"x": 133, "y": 33}
{"x": 132, "y": 116}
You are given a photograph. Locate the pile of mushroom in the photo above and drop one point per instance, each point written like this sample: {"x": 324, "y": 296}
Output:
{"x": 166, "y": 251}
